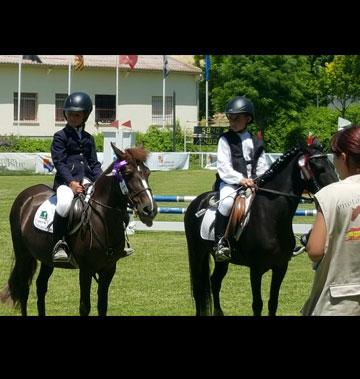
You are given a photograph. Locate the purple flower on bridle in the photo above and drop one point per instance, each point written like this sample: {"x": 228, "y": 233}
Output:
{"x": 119, "y": 166}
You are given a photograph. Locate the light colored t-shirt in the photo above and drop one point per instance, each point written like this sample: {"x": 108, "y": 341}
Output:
{"x": 336, "y": 287}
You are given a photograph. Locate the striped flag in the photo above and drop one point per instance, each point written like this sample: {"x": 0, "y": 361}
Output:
{"x": 131, "y": 60}
{"x": 79, "y": 62}
{"x": 166, "y": 69}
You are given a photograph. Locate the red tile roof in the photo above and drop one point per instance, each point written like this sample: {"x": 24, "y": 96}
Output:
{"x": 145, "y": 62}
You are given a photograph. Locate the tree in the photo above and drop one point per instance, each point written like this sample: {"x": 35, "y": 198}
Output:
{"x": 277, "y": 84}
{"x": 340, "y": 81}
{"x": 317, "y": 62}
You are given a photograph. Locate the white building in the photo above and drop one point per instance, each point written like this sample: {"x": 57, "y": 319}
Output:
{"x": 44, "y": 87}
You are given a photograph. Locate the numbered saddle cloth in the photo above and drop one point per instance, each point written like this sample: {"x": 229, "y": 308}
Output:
{"x": 44, "y": 215}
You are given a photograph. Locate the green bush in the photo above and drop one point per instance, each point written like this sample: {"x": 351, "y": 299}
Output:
{"x": 353, "y": 114}
{"x": 99, "y": 142}
{"x": 34, "y": 145}
{"x": 286, "y": 133}
{"x": 24, "y": 144}
{"x": 161, "y": 139}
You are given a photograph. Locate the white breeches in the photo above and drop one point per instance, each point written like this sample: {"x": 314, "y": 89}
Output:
{"x": 65, "y": 196}
{"x": 227, "y": 197}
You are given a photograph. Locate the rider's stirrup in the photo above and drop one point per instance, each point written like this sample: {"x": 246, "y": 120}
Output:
{"x": 128, "y": 251}
{"x": 60, "y": 253}
{"x": 222, "y": 252}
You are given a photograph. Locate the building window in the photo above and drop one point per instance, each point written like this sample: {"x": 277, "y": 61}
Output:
{"x": 28, "y": 106}
{"x": 157, "y": 110}
{"x": 105, "y": 109}
{"x": 59, "y": 106}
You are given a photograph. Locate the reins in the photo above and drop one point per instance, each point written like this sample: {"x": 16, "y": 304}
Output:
{"x": 104, "y": 205}
{"x": 282, "y": 193}
{"x": 130, "y": 198}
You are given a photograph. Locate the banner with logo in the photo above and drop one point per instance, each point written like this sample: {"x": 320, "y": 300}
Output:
{"x": 168, "y": 161}
{"x": 17, "y": 162}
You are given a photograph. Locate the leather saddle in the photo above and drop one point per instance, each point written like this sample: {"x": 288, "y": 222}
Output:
{"x": 238, "y": 215}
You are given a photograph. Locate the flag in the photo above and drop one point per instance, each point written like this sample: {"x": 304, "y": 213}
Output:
{"x": 32, "y": 58}
{"x": 207, "y": 67}
{"x": 127, "y": 124}
{"x": 166, "y": 69}
{"x": 131, "y": 60}
{"x": 79, "y": 62}
{"x": 115, "y": 124}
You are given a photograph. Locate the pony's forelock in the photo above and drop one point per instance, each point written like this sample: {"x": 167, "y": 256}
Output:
{"x": 138, "y": 153}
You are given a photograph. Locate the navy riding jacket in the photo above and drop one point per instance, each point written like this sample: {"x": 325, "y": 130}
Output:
{"x": 74, "y": 158}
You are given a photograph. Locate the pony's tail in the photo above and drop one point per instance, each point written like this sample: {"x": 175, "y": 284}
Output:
{"x": 16, "y": 291}
{"x": 198, "y": 265}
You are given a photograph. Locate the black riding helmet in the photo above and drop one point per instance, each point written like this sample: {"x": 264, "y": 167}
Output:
{"x": 78, "y": 101}
{"x": 240, "y": 104}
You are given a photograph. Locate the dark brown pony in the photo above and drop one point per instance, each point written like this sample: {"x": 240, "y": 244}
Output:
{"x": 267, "y": 241}
{"x": 98, "y": 241}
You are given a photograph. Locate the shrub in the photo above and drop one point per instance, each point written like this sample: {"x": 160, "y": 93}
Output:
{"x": 34, "y": 145}
{"x": 286, "y": 133}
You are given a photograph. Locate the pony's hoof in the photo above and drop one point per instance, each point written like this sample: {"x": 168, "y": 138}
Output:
{"x": 218, "y": 312}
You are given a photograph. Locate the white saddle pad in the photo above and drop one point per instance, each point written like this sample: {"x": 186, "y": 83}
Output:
{"x": 208, "y": 220}
{"x": 45, "y": 214}
{"x": 207, "y": 230}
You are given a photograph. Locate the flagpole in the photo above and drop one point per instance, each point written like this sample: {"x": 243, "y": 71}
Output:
{"x": 117, "y": 103}
{"x": 19, "y": 96}
{"x": 69, "y": 76}
{"x": 117, "y": 88}
{"x": 207, "y": 72}
{"x": 207, "y": 102}
{"x": 163, "y": 120}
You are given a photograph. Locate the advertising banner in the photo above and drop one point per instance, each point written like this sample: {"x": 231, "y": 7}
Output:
{"x": 168, "y": 161}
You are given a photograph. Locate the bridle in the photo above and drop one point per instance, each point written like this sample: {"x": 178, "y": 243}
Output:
{"x": 117, "y": 171}
{"x": 306, "y": 173}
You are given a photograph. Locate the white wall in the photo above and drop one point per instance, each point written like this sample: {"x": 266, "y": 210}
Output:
{"x": 135, "y": 92}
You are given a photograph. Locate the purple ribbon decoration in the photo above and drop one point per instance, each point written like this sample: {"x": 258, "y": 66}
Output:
{"x": 119, "y": 166}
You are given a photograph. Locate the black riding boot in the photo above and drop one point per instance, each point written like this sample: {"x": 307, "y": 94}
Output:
{"x": 222, "y": 250}
{"x": 60, "y": 251}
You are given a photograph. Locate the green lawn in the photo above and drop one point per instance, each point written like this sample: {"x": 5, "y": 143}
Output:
{"x": 155, "y": 280}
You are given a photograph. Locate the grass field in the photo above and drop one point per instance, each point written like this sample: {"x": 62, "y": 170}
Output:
{"x": 155, "y": 280}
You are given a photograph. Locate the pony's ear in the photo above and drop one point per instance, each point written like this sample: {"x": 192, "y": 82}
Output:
{"x": 117, "y": 151}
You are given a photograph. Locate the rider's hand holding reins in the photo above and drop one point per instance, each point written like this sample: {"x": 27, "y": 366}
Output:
{"x": 247, "y": 182}
{"x": 76, "y": 187}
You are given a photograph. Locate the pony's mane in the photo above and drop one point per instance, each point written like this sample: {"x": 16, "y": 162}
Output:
{"x": 138, "y": 153}
{"x": 278, "y": 165}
